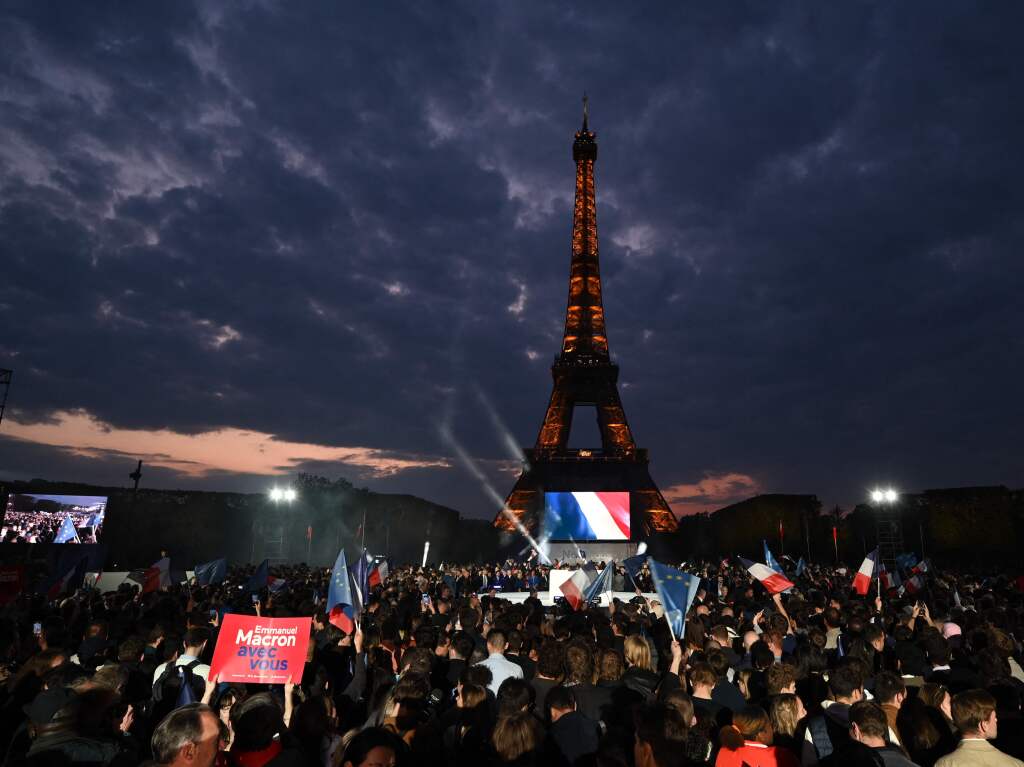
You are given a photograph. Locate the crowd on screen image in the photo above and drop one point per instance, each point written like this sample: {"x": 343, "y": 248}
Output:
{"x": 437, "y": 667}
{"x": 43, "y": 526}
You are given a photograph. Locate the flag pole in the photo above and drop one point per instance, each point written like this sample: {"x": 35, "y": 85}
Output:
{"x": 671, "y": 632}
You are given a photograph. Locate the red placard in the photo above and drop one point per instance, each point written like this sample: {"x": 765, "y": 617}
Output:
{"x": 260, "y": 650}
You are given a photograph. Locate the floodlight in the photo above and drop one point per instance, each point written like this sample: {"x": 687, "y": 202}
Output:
{"x": 276, "y": 494}
{"x": 290, "y": 495}
{"x": 890, "y": 495}
{"x": 877, "y": 496}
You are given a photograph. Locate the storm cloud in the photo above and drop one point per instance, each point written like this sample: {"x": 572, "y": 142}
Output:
{"x": 345, "y": 228}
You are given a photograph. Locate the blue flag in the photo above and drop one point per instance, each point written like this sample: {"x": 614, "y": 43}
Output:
{"x": 771, "y": 561}
{"x": 361, "y": 580}
{"x": 209, "y": 573}
{"x": 676, "y": 590}
{"x": 800, "y": 567}
{"x": 258, "y": 580}
{"x": 339, "y": 596}
{"x": 67, "y": 532}
{"x": 600, "y": 584}
{"x": 634, "y": 565}
{"x": 906, "y": 561}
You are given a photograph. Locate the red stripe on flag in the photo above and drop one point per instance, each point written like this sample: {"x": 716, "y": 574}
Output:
{"x": 861, "y": 583}
{"x": 339, "y": 619}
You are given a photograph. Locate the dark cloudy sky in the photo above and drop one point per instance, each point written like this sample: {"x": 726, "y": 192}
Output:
{"x": 244, "y": 239}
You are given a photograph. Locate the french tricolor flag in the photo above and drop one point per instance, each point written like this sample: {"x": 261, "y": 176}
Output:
{"x": 773, "y": 582}
{"x": 862, "y": 580}
{"x": 574, "y": 588}
{"x": 914, "y": 585}
{"x": 887, "y": 579}
{"x": 592, "y": 516}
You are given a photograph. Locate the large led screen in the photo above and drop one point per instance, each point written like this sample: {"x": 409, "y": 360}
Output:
{"x": 586, "y": 516}
{"x": 37, "y": 518}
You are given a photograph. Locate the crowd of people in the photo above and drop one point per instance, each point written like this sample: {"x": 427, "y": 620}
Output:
{"x": 43, "y": 526}
{"x": 441, "y": 669}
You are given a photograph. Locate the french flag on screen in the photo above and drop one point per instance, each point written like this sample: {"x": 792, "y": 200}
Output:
{"x": 592, "y": 516}
{"x": 862, "y": 580}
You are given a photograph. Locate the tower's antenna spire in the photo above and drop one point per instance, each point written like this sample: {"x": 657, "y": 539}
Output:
{"x": 586, "y": 110}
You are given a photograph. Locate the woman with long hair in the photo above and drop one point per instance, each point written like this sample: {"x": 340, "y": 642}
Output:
{"x": 467, "y": 741}
{"x": 787, "y": 713}
{"x": 747, "y": 742}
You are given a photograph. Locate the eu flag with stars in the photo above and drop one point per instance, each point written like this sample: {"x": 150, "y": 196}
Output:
{"x": 339, "y": 596}
{"x": 676, "y": 590}
{"x": 67, "y": 532}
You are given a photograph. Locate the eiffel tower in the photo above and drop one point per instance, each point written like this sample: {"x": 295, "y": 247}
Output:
{"x": 584, "y": 374}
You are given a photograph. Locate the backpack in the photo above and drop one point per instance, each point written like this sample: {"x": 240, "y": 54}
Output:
{"x": 168, "y": 688}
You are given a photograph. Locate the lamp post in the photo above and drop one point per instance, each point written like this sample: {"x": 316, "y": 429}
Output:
{"x": 279, "y": 495}
{"x": 887, "y": 525}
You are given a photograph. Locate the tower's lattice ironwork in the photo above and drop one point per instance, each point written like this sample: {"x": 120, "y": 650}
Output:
{"x": 584, "y": 374}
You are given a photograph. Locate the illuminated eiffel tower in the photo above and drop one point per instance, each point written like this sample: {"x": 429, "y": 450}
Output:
{"x": 584, "y": 374}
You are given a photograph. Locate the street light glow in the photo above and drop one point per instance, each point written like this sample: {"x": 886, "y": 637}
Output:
{"x": 290, "y": 495}
{"x": 276, "y": 494}
{"x": 884, "y": 495}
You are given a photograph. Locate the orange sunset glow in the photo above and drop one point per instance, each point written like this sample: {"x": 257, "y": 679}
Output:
{"x": 223, "y": 450}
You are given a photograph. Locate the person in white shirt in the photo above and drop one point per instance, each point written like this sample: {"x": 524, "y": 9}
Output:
{"x": 195, "y": 642}
{"x": 500, "y": 667}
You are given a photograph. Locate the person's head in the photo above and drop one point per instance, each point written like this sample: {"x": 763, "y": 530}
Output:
{"x": 974, "y": 714}
{"x": 874, "y": 636}
{"x": 195, "y": 640}
{"x": 868, "y": 724}
{"x": 550, "y": 660}
{"x": 845, "y": 684}
{"x": 749, "y": 638}
{"x": 187, "y": 737}
{"x": 131, "y": 650}
{"x": 936, "y": 696}
{"x": 559, "y": 702}
{"x": 609, "y": 666}
{"x": 514, "y": 695}
{"x": 683, "y": 703}
{"x": 761, "y": 655}
{"x": 515, "y": 736}
{"x": 638, "y": 653}
{"x": 702, "y": 679}
{"x": 372, "y": 747}
{"x": 470, "y": 695}
{"x": 786, "y": 711}
{"x": 742, "y": 682}
{"x": 255, "y": 721}
{"x": 780, "y": 678}
{"x": 661, "y": 734}
{"x": 496, "y": 641}
{"x": 937, "y": 648}
{"x": 579, "y": 664}
{"x": 751, "y": 723}
{"x": 461, "y": 647}
{"x": 890, "y": 690}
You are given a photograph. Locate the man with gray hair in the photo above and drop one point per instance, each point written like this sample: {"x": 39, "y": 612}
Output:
{"x": 189, "y": 736}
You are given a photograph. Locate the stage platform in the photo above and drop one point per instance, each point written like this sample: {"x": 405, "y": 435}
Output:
{"x": 548, "y": 599}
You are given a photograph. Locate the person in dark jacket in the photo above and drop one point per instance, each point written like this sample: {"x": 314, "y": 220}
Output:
{"x": 869, "y": 743}
{"x": 829, "y": 731}
{"x": 572, "y": 736}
